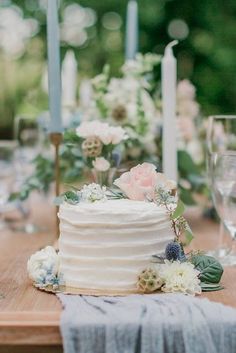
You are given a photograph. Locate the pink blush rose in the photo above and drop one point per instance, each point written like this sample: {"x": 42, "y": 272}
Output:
{"x": 139, "y": 183}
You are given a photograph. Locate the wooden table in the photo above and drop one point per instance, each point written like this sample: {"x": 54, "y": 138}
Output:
{"x": 31, "y": 318}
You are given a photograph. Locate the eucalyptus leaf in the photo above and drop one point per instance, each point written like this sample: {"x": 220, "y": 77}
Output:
{"x": 186, "y": 196}
{"x": 210, "y": 287}
{"x": 188, "y": 236}
{"x": 178, "y": 211}
{"x": 71, "y": 197}
{"x": 210, "y": 269}
{"x": 186, "y": 163}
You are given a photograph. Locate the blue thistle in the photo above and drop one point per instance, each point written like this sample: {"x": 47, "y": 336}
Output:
{"x": 173, "y": 251}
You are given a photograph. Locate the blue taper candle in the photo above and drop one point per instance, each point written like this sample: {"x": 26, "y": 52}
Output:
{"x": 131, "y": 41}
{"x": 54, "y": 71}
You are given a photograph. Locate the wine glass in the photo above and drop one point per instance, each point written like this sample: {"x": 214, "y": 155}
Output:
{"x": 221, "y": 137}
{"x": 27, "y": 133}
{"x": 224, "y": 195}
{"x": 6, "y": 178}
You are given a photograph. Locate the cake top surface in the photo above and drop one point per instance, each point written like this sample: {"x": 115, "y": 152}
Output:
{"x": 114, "y": 206}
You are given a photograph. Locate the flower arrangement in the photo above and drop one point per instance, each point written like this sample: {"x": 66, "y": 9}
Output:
{"x": 123, "y": 124}
{"x": 133, "y": 101}
{"x": 127, "y": 102}
{"x": 43, "y": 268}
{"x": 99, "y": 141}
{"x": 174, "y": 270}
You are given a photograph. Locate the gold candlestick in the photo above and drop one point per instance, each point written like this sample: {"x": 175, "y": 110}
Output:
{"x": 56, "y": 139}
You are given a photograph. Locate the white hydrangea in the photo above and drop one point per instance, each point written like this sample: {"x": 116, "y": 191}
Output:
{"x": 106, "y": 133}
{"x": 180, "y": 277}
{"x": 43, "y": 263}
{"x": 93, "y": 192}
{"x": 124, "y": 93}
{"x": 141, "y": 64}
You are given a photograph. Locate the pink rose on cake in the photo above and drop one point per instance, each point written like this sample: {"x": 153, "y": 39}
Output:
{"x": 141, "y": 182}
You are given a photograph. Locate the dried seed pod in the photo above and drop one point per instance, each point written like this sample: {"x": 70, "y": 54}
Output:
{"x": 92, "y": 147}
{"x": 149, "y": 281}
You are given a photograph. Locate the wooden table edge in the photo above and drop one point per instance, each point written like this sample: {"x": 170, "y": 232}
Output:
{"x": 30, "y": 328}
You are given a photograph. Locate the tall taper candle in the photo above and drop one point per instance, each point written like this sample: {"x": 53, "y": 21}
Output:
{"x": 131, "y": 41}
{"x": 54, "y": 72}
{"x": 69, "y": 80}
{"x": 169, "y": 141}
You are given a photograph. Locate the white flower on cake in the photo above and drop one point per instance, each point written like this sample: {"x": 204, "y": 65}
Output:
{"x": 42, "y": 264}
{"x": 106, "y": 133}
{"x": 93, "y": 192}
{"x": 180, "y": 277}
{"x": 101, "y": 164}
{"x": 142, "y": 181}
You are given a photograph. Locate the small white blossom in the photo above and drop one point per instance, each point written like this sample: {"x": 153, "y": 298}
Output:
{"x": 164, "y": 183}
{"x": 101, "y": 164}
{"x": 180, "y": 277}
{"x": 93, "y": 192}
{"x": 141, "y": 64}
{"x": 186, "y": 90}
{"x": 195, "y": 149}
{"x": 106, "y": 133}
{"x": 43, "y": 263}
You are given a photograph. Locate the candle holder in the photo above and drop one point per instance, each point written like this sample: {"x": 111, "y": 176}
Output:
{"x": 56, "y": 139}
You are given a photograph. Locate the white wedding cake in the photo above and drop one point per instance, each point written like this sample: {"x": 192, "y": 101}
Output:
{"x": 110, "y": 237}
{"x": 105, "y": 244}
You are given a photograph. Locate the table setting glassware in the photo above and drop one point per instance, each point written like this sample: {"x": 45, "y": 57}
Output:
{"x": 221, "y": 139}
{"x": 224, "y": 196}
{"x": 7, "y": 149}
{"x": 29, "y": 137}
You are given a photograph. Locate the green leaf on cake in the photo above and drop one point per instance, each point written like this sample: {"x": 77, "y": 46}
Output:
{"x": 210, "y": 287}
{"x": 178, "y": 212}
{"x": 71, "y": 197}
{"x": 188, "y": 235}
{"x": 210, "y": 269}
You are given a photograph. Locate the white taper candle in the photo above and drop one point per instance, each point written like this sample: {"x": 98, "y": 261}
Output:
{"x": 54, "y": 73}
{"x": 131, "y": 40}
{"x": 69, "y": 80}
{"x": 169, "y": 142}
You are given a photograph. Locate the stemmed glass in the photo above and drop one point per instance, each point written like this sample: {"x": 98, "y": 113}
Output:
{"x": 6, "y": 177}
{"x": 221, "y": 137}
{"x": 224, "y": 195}
{"x": 27, "y": 134}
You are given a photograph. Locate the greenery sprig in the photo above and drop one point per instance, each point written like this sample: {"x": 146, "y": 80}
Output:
{"x": 179, "y": 224}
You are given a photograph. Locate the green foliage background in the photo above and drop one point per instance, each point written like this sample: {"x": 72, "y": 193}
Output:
{"x": 206, "y": 56}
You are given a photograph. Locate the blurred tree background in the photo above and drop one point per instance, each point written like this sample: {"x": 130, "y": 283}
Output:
{"x": 95, "y": 30}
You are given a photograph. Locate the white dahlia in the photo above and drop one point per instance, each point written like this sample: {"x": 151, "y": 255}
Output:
{"x": 180, "y": 277}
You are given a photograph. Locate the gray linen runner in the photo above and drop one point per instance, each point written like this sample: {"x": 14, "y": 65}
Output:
{"x": 160, "y": 323}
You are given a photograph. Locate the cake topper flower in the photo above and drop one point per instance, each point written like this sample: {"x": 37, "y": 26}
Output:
{"x": 141, "y": 182}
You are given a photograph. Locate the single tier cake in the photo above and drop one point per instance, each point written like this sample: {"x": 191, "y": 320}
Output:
{"x": 105, "y": 244}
